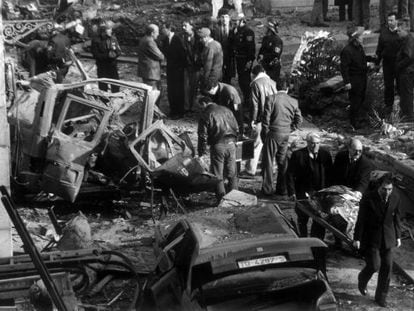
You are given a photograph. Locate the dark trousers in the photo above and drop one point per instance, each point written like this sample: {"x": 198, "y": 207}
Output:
{"x": 385, "y": 7}
{"x": 345, "y": 9}
{"x": 361, "y": 12}
{"x": 191, "y": 81}
{"x": 175, "y": 90}
{"x": 273, "y": 72}
{"x": 244, "y": 78}
{"x": 223, "y": 165}
{"x": 228, "y": 70}
{"x": 406, "y": 89}
{"x": 390, "y": 77}
{"x": 357, "y": 96}
{"x": 319, "y": 11}
{"x": 108, "y": 70}
{"x": 275, "y": 146}
{"x": 377, "y": 260}
{"x": 317, "y": 231}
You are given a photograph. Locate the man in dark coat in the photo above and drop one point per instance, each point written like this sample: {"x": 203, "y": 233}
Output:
{"x": 309, "y": 170}
{"x": 223, "y": 36}
{"x": 218, "y": 128}
{"x": 281, "y": 116}
{"x": 271, "y": 51}
{"x": 244, "y": 49}
{"x": 385, "y": 7}
{"x": 351, "y": 168}
{"x": 405, "y": 74}
{"x": 192, "y": 49}
{"x": 211, "y": 57}
{"x": 377, "y": 233}
{"x": 354, "y": 71}
{"x": 173, "y": 50}
{"x": 105, "y": 49}
{"x": 387, "y": 48}
{"x": 150, "y": 58}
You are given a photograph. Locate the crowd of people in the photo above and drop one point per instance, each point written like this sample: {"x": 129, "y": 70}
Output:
{"x": 203, "y": 63}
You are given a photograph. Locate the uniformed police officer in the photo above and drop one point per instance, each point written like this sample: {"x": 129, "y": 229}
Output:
{"x": 244, "y": 50}
{"x": 271, "y": 50}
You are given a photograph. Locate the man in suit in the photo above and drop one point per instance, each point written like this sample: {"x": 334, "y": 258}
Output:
{"x": 223, "y": 37}
{"x": 173, "y": 49}
{"x": 309, "y": 170}
{"x": 354, "y": 71}
{"x": 377, "y": 232}
{"x": 351, "y": 168}
{"x": 211, "y": 57}
{"x": 150, "y": 58}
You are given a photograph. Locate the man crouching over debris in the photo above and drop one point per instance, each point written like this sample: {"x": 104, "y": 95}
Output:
{"x": 377, "y": 232}
{"x": 218, "y": 128}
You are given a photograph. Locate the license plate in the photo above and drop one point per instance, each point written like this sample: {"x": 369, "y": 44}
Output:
{"x": 261, "y": 261}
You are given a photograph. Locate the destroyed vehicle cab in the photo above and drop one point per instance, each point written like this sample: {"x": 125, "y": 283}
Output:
{"x": 235, "y": 259}
{"x": 64, "y": 135}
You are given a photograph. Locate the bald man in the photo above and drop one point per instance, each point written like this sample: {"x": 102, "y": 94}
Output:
{"x": 309, "y": 170}
{"x": 351, "y": 167}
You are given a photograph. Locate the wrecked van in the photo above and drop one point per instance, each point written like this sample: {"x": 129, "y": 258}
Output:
{"x": 234, "y": 260}
{"x": 65, "y": 135}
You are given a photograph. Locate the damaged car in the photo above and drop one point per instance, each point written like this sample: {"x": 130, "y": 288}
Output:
{"x": 233, "y": 260}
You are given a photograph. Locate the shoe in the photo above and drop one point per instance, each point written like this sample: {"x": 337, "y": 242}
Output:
{"x": 362, "y": 289}
{"x": 381, "y": 303}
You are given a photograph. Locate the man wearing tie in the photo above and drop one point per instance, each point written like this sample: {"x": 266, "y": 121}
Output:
{"x": 309, "y": 170}
{"x": 377, "y": 232}
{"x": 173, "y": 49}
{"x": 351, "y": 168}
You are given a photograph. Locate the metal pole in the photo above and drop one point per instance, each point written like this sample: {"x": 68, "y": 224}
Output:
{"x": 6, "y": 249}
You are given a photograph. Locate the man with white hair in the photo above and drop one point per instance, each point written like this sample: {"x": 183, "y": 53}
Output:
{"x": 150, "y": 58}
{"x": 309, "y": 170}
{"x": 211, "y": 57}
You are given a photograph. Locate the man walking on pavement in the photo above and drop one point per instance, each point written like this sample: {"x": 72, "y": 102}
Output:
{"x": 281, "y": 116}
{"x": 377, "y": 233}
{"x": 387, "y": 48}
{"x": 271, "y": 50}
{"x": 262, "y": 86}
{"x": 218, "y": 128}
